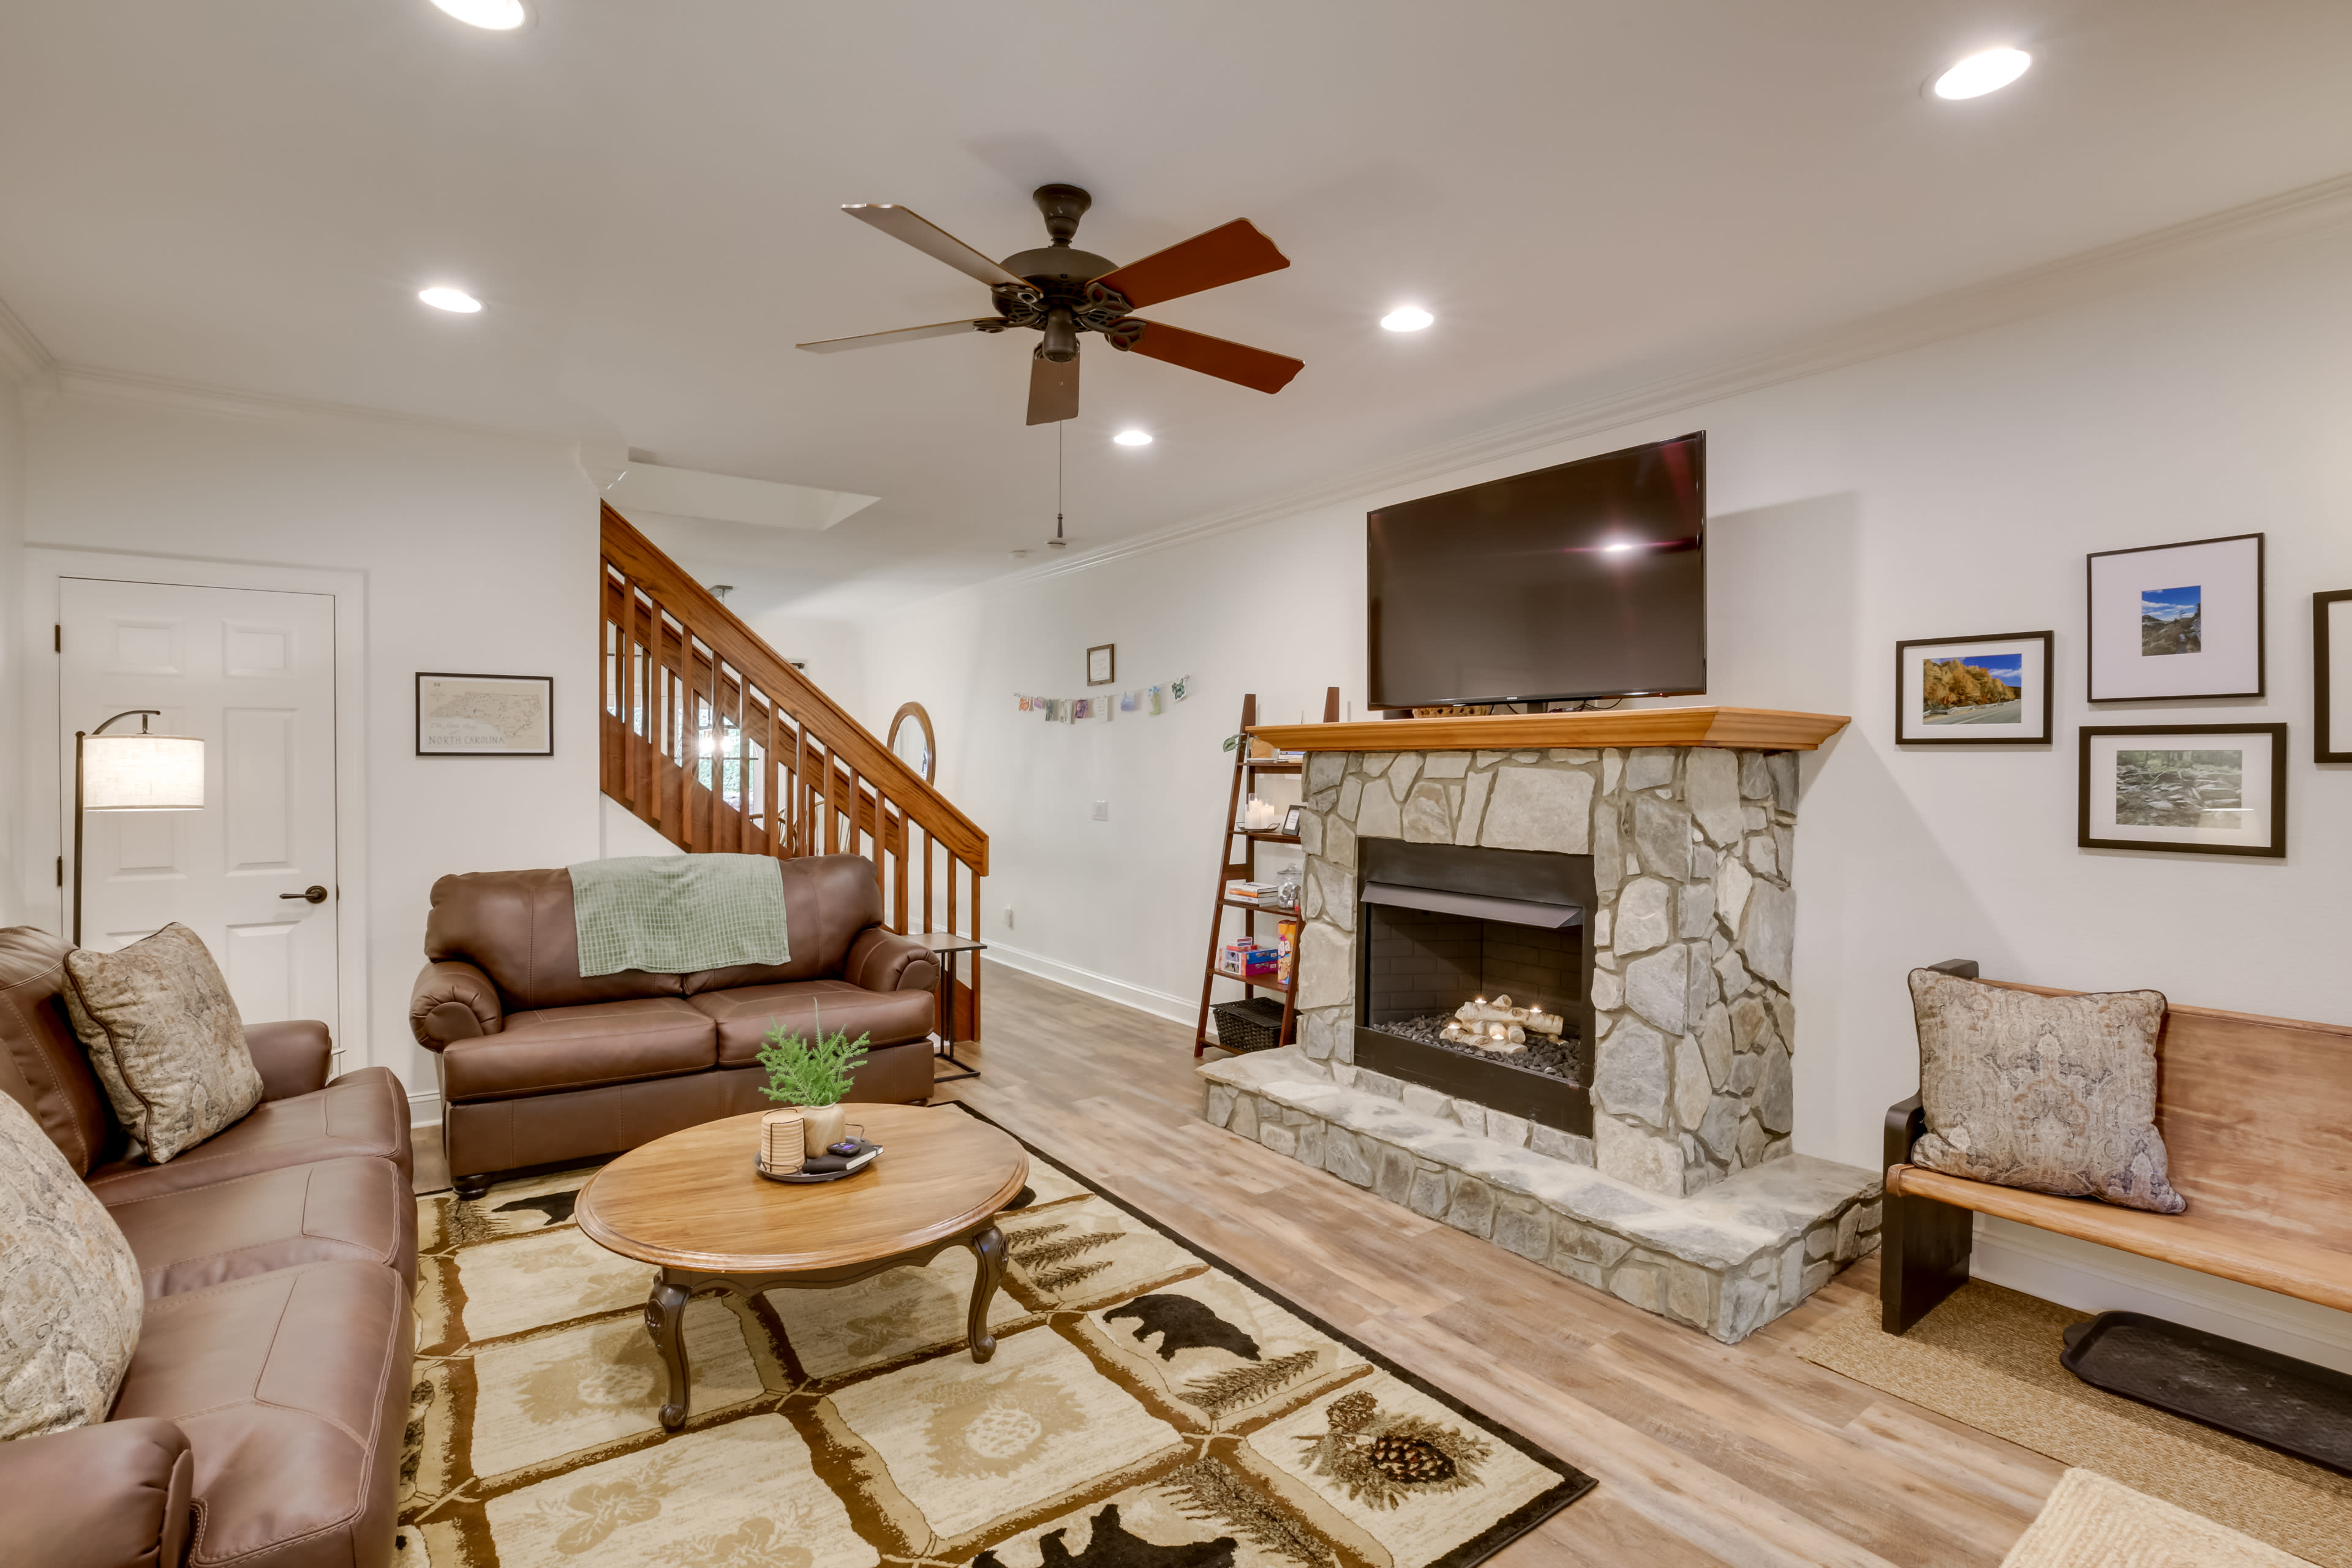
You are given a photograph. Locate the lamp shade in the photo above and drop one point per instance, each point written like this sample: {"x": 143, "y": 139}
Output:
{"x": 142, "y": 772}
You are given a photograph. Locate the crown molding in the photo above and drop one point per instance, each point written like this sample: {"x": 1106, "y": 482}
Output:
{"x": 2141, "y": 261}
{"x": 165, "y": 392}
{"x": 23, "y": 359}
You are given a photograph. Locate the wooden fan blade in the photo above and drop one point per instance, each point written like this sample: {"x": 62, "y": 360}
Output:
{"x": 903, "y": 335}
{"x": 932, "y": 240}
{"x": 1052, "y": 391}
{"x": 1226, "y": 360}
{"x": 1210, "y": 260}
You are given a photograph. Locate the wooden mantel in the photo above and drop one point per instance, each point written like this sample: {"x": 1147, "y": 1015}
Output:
{"x": 1747, "y": 729}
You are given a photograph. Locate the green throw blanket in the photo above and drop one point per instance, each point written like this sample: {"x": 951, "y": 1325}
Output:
{"x": 674, "y": 914}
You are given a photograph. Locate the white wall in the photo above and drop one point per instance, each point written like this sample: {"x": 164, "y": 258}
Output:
{"x": 1949, "y": 490}
{"x": 12, "y": 565}
{"x": 479, "y": 554}
{"x": 834, "y": 652}
{"x": 1120, "y": 905}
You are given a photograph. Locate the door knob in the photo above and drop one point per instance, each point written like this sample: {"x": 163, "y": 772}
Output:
{"x": 314, "y": 894}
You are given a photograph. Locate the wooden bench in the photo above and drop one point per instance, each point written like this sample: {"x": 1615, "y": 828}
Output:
{"x": 2257, "y": 1120}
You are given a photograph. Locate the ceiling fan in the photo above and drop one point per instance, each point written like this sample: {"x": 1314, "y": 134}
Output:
{"x": 1062, "y": 291}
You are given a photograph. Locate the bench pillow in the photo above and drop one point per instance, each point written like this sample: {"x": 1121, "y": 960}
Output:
{"x": 2054, "y": 1094}
{"x": 70, "y": 1292}
{"x": 165, "y": 1039}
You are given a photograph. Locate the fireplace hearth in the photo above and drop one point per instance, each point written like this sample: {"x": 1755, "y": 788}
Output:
{"x": 1444, "y": 924}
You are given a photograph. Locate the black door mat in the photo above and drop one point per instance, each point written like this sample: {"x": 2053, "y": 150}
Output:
{"x": 2259, "y": 1395}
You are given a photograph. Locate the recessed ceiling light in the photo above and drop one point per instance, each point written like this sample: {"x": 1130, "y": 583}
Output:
{"x": 498, "y": 15}
{"x": 1407, "y": 319}
{"x": 1617, "y": 549}
{"x": 1981, "y": 74}
{"x": 1133, "y": 437}
{"x": 456, "y": 300}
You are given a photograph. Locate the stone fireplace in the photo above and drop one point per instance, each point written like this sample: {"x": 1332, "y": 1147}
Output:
{"x": 1644, "y": 894}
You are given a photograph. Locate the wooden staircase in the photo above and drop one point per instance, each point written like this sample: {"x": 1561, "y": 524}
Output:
{"x": 717, "y": 743}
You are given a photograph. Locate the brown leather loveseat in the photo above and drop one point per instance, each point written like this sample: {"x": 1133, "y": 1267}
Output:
{"x": 260, "y": 1419}
{"x": 540, "y": 1067}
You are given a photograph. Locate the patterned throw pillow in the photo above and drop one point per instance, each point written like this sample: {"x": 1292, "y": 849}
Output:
{"x": 71, "y": 1294}
{"x": 165, "y": 1038}
{"x": 2056, "y": 1094}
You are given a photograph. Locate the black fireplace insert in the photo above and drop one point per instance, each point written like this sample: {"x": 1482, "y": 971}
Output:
{"x": 1439, "y": 925}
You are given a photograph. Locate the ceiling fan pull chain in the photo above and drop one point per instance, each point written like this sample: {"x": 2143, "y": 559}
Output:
{"x": 1058, "y": 542}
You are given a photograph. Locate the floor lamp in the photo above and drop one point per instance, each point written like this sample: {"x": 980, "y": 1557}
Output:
{"x": 131, "y": 773}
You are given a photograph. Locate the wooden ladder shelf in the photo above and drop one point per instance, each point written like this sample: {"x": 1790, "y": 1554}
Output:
{"x": 1246, "y": 770}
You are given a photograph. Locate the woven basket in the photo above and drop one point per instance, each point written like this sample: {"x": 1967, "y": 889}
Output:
{"x": 1254, "y": 1024}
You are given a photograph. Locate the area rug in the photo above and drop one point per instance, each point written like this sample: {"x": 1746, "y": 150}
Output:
{"x": 1989, "y": 1357}
{"x": 1147, "y": 1407}
{"x": 2094, "y": 1521}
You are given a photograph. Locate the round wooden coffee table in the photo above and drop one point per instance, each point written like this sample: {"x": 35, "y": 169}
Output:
{"x": 692, "y": 1205}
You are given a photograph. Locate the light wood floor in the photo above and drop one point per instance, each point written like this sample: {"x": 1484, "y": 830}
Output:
{"x": 1706, "y": 1453}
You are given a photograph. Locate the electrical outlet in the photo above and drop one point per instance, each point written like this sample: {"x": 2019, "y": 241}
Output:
{"x": 1008, "y": 916}
{"x": 1102, "y": 811}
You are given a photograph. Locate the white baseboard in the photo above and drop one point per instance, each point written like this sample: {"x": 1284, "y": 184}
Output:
{"x": 423, "y": 1110}
{"x": 1159, "y": 1004}
{"x": 2094, "y": 1278}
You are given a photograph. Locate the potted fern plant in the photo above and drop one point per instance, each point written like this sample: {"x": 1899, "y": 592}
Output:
{"x": 812, "y": 1077}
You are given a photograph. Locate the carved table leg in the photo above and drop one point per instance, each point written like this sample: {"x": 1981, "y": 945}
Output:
{"x": 988, "y": 1249}
{"x": 666, "y": 1320}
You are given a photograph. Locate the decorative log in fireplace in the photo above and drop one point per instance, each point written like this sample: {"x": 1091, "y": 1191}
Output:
{"x": 1445, "y": 924}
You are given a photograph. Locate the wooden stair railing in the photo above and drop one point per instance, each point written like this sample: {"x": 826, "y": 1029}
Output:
{"x": 715, "y": 742}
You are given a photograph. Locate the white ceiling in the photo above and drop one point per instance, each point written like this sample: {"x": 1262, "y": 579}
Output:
{"x": 247, "y": 194}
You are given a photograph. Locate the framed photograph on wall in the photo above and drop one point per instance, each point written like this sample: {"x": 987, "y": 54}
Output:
{"x": 1973, "y": 691}
{"x": 485, "y": 715}
{"x": 1102, "y": 665}
{"x": 2202, "y": 789}
{"x": 2178, "y": 620}
{"x": 2331, "y": 675}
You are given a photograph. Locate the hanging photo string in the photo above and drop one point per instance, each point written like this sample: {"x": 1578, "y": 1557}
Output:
{"x": 1147, "y": 699}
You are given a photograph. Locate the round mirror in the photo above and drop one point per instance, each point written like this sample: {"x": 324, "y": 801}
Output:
{"x": 911, "y": 741}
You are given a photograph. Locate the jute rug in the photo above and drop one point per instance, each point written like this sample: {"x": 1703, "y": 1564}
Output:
{"x": 2094, "y": 1521}
{"x": 1989, "y": 1357}
{"x": 1147, "y": 1407}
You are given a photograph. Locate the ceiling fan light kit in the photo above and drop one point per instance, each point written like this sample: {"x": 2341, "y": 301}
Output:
{"x": 1062, "y": 292}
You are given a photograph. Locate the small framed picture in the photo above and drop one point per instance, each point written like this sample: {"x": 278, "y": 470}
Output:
{"x": 1973, "y": 691}
{"x": 1102, "y": 665}
{"x": 2202, "y": 789}
{"x": 1290, "y": 820}
{"x": 485, "y": 715}
{"x": 2331, "y": 675}
{"x": 2178, "y": 620}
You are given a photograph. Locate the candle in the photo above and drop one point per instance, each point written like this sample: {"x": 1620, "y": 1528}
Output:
{"x": 782, "y": 1151}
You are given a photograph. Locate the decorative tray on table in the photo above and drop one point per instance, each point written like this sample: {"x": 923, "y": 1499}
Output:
{"x": 827, "y": 1167}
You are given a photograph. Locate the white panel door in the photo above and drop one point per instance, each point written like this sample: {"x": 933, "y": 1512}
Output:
{"x": 252, "y": 672}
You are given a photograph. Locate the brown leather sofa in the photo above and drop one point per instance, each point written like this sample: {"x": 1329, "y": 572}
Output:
{"x": 540, "y": 1067}
{"x": 260, "y": 1420}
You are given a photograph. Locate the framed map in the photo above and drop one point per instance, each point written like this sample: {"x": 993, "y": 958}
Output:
{"x": 485, "y": 715}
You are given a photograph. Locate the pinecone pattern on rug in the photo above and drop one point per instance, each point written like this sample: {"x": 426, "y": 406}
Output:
{"x": 1380, "y": 1458}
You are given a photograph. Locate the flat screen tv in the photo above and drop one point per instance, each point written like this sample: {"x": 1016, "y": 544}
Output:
{"x": 1587, "y": 580}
